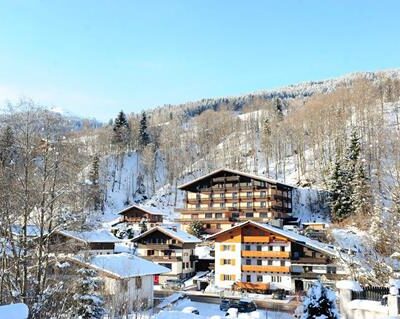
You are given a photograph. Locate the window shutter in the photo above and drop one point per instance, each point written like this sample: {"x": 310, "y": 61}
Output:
{"x": 221, "y": 261}
{"x": 233, "y": 262}
{"x": 221, "y": 247}
{"x": 221, "y": 277}
{"x": 233, "y": 277}
{"x": 233, "y": 247}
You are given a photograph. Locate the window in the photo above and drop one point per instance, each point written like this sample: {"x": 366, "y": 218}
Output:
{"x": 248, "y": 194}
{"x": 234, "y": 195}
{"x": 198, "y": 205}
{"x": 282, "y": 263}
{"x": 226, "y": 247}
{"x": 218, "y": 215}
{"x": 259, "y": 278}
{"x": 173, "y": 241}
{"x": 226, "y": 262}
{"x": 259, "y": 262}
{"x": 222, "y": 195}
{"x": 197, "y": 196}
{"x": 264, "y": 215}
{"x": 269, "y": 248}
{"x": 276, "y": 278}
{"x": 150, "y": 253}
{"x": 208, "y": 226}
{"x": 248, "y": 261}
{"x": 249, "y": 204}
{"x": 138, "y": 282}
{"x": 263, "y": 194}
{"x": 228, "y": 277}
{"x": 282, "y": 248}
{"x": 211, "y": 196}
{"x": 269, "y": 262}
{"x": 234, "y": 204}
{"x": 247, "y": 247}
{"x": 249, "y": 215}
{"x": 208, "y": 215}
{"x": 248, "y": 278}
{"x": 218, "y": 226}
{"x": 259, "y": 247}
{"x": 221, "y": 205}
{"x": 169, "y": 266}
{"x": 263, "y": 204}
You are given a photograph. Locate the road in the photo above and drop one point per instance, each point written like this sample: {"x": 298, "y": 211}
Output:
{"x": 197, "y": 296}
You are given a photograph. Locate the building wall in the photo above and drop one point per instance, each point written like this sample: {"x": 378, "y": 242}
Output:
{"x": 227, "y": 274}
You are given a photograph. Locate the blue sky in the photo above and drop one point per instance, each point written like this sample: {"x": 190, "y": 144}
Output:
{"x": 94, "y": 58}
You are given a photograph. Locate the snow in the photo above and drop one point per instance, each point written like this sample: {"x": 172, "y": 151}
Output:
{"x": 349, "y": 284}
{"x": 173, "y": 232}
{"x": 394, "y": 283}
{"x": 123, "y": 265}
{"x": 203, "y": 252}
{"x": 14, "y": 311}
{"x": 31, "y": 230}
{"x": 144, "y": 209}
{"x": 210, "y": 310}
{"x": 369, "y": 305}
{"x": 170, "y": 300}
{"x": 94, "y": 236}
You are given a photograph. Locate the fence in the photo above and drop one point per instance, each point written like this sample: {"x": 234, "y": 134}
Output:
{"x": 370, "y": 293}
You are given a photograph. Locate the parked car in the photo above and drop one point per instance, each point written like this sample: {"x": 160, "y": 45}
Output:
{"x": 174, "y": 284}
{"x": 225, "y": 304}
{"x": 246, "y": 306}
{"x": 279, "y": 294}
{"x": 192, "y": 310}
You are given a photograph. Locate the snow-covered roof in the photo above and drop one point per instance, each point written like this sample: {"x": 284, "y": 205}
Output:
{"x": 122, "y": 265}
{"x": 31, "y": 230}
{"x": 146, "y": 210}
{"x": 173, "y": 232}
{"x": 260, "y": 178}
{"x": 14, "y": 311}
{"x": 300, "y": 239}
{"x": 94, "y": 236}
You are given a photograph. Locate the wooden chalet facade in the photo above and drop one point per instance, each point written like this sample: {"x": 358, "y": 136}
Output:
{"x": 135, "y": 214}
{"x": 260, "y": 257}
{"x": 225, "y": 197}
{"x": 168, "y": 247}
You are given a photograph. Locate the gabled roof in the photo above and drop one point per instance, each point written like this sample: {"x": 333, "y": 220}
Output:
{"x": 292, "y": 236}
{"x": 31, "y": 230}
{"x": 231, "y": 171}
{"x": 94, "y": 236}
{"x": 145, "y": 210}
{"x": 173, "y": 232}
{"x": 121, "y": 265}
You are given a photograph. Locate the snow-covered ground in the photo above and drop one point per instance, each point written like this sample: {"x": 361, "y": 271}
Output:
{"x": 208, "y": 310}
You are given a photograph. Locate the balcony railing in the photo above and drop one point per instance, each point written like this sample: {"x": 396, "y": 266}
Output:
{"x": 281, "y": 269}
{"x": 255, "y": 239}
{"x": 252, "y": 286}
{"x": 309, "y": 260}
{"x": 276, "y": 254}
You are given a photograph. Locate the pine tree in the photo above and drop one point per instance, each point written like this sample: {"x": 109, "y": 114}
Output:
{"x": 7, "y": 149}
{"x": 121, "y": 129}
{"x": 361, "y": 198}
{"x": 320, "y": 302}
{"x": 196, "y": 228}
{"x": 87, "y": 303}
{"x": 144, "y": 138}
{"x": 143, "y": 225}
{"x": 94, "y": 180}
{"x": 339, "y": 196}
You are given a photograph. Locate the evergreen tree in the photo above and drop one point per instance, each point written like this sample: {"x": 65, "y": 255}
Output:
{"x": 143, "y": 225}
{"x": 94, "y": 180}
{"x": 361, "y": 198}
{"x": 196, "y": 228}
{"x": 121, "y": 129}
{"x": 87, "y": 303}
{"x": 339, "y": 196}
{"x": 279, "y": 109}
{"x": 7, "y": 149}
{"x": 320, "y": 302}
{"x": 144, "y": 137}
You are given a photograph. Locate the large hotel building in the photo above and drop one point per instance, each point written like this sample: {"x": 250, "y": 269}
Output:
{"x": 225, "y": 197}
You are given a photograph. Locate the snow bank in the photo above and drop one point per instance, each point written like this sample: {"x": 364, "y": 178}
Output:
{"x": 14, "y": 311}
{"x": 349, "y": 284}
{"x": 369, "y": 305}
{"x": 177, "y": 315}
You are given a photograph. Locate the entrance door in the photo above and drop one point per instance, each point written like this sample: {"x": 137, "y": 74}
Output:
{"x": 298, "y": 285}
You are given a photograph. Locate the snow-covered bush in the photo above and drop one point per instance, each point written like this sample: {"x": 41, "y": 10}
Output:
{"x": 320, "y": 303}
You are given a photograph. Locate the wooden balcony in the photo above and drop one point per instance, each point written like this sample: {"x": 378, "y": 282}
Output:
{"x": 163, "y": 258}
{"x": 280, "y": 269}
{"x": 272, "y": 254}
{"x": 251, "y": 286}
{"x": 255, "y": 239}
{"x": 310, "y": 260}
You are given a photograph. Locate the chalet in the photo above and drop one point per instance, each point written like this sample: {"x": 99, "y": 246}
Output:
{"x": 259, "y": 257}
{"x": 135, "y": 214}
{"x": 225, "y": 197}
{"x": 168, "y": 247}
{"x": 96, "y": 242}
{"x": 127, "y": 280}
